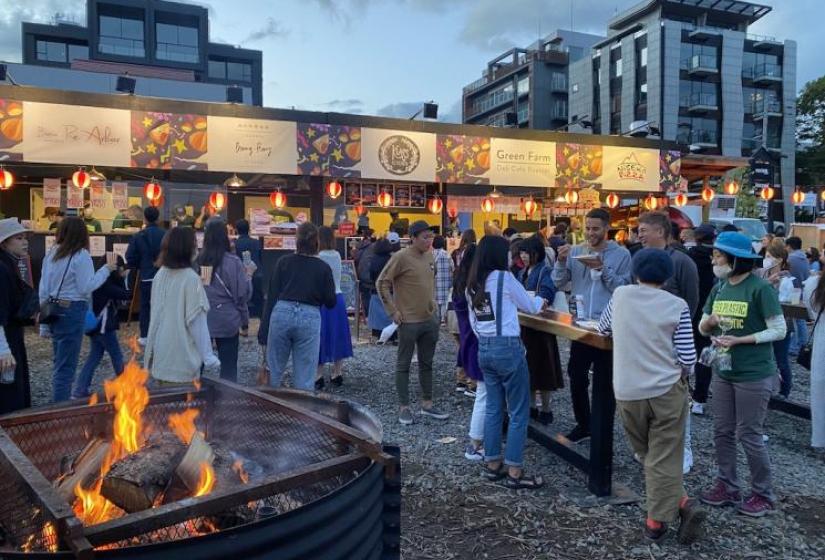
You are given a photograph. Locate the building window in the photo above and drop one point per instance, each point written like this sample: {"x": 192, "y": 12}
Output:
{"x": 226, "y": 70}
{"x": 559, "y": 82}
{"x": 616, "y": 68}
{"x": 121, "y": 35}
{"x": 698, "y": 131}
{"x": 523, "y": 86}
{"x": 695, "y": 56}
{"x": 178, "y": 43}
{"x": 78, "y": 52}
{"x": 575, "y": 88}
{"x": 217, "y": 69}
{"x": 560, "y": 109}
{"x": 697, "y": 93}
{"x": 643, "y": 57}
{"x": 51, "y": 51}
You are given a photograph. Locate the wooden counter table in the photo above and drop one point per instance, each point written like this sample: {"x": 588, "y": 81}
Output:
{"x": 599, "y": 465}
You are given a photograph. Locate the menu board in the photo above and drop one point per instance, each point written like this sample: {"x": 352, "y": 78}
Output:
{"x": 349, "y": 284}
{"x": 51, "y": 193}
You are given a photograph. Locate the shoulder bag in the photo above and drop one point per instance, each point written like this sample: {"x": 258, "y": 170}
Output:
{"x": 48, "y": 309}
{"x": 805, "y": 353}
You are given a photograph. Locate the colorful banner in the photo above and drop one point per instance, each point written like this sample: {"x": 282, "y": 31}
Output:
{"x": 74, "y": 134}
{"x": 51, "y": 193}
{"x": 120, "y": 196}
{"x": 252, "y": 145}
{"x": 80, "y": 135}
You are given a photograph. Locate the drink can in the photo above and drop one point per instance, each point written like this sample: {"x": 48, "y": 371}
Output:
{"x": 111, "y": 257}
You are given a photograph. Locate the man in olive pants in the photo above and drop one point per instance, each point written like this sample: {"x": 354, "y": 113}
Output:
{"x": 406, "y": 287}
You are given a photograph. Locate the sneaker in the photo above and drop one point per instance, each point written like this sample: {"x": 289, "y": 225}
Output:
{"x": 473, "y": 453}
{"x": 470, "y": 393}
{"x": 433, "y": 412}
{"x": 578, "y": 435}
{"x": 720, "y": 496}
{"x": 687, "y": 462}
{"x": 698, "y": 409}
{"x": 655, "y": 535}
{"x": 756, "y": 506}
{"x": 691, "y": 516}
{"x": 405, "y": 417}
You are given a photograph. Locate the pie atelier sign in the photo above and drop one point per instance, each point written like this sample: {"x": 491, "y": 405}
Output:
{"x": 395, "y": 154}
{"x": 399, "y": 155}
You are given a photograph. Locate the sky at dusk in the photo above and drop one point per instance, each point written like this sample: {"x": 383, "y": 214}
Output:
{"x": 387, "y": 56}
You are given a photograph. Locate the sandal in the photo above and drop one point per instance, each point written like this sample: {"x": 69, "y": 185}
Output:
{"x": 494, "y": 475}
{"x": 524, "y": 482}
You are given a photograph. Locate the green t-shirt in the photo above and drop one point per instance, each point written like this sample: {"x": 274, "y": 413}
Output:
{"x": 749, "y": 303}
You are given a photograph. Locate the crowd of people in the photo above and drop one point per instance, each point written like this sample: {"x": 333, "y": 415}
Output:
{"x": 693, "y": 313}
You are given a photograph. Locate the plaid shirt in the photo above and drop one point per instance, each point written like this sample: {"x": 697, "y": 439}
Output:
{"x": 443, "y": 275}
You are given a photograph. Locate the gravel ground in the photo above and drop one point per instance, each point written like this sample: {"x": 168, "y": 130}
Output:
{"x": 449, "y": 512}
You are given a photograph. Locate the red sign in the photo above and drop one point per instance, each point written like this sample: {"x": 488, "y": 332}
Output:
{"x": 346, "y": 229}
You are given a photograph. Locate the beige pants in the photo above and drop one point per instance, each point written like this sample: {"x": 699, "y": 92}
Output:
{"x": 656, "y": 430}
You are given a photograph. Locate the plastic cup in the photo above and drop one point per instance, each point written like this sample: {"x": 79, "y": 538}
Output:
{"x": 206, "y": 275}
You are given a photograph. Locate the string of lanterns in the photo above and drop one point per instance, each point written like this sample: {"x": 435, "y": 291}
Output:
{"x": 6, "y": 179}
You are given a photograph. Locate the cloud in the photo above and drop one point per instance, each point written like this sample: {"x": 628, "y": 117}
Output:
{"x": 453, "y": 115}
{"x": 335, "y": 103}
{"x": 272, "y": 30}
{"x": 401, "y": 110}
{"x": 42, "y": 11}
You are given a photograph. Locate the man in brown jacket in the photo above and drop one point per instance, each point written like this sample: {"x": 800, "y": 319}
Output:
{"x": 406, "y": 287}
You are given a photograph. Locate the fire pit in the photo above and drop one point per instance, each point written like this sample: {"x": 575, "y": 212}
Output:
{"x": 216, "y": 471}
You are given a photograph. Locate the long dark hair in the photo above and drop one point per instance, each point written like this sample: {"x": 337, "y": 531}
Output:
{"x": 326, "y": 238}
{"x": 177, "y": 248}
{"x": 71, "y": 237}
{"x": 818, "y": 297}
{"x": 215, "y": 243}
{"x": 491, "y": 255}
{"x": 467, "y": 236}
{"x": 534, "y": 246}
{"x": 463, "y": 272}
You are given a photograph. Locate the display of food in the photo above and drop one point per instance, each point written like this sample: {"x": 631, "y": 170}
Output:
{"x": 670, "y": 170}
{"x": 462, "y": 159}
{"x": 402, "y": 196}
{"x": 168, "y": 140}
{"x": 578, "y": 165}
{"x": 284, "y": 228}
{"x": 329, "y": 150}
{"x": 11, "y": 123}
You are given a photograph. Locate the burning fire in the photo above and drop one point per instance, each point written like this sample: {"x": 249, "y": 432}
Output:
{"x": 206, "y": 481}
{"x": 49, "y": 535}
{"x": 237, "y": 466}
{"x": 183, "y": 424}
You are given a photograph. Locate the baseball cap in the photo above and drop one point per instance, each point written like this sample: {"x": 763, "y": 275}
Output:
{"x": 705, "y": 232}
{"x": 417, "y": 227}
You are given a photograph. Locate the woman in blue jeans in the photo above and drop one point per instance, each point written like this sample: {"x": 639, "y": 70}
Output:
{"x": 68, "y": 278}
{"x": 300, "y": 284}
{"x": 495, "y": 298}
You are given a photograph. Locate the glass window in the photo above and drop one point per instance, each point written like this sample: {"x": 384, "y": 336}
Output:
{"x": 177, "y": 42}
{"x": 217, "y": 69}
{"x": 121, "y": 36}
{"x": 523, "y": 85}
{"x": 243, "y": 72}
{"x": 51, "y": 51}
{"x": 643, "y": 57}
{"x": 78, "y": 52}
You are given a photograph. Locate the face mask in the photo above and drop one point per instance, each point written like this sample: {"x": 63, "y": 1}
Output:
{"x": 689, "y": 244}
{"x": 723, "y": 271}
{"x": 768, "y": 262}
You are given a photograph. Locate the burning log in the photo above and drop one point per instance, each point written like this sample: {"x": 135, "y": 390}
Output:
{"x": 84, "y": 469}
{"x": 198, "y": 457}
{"x": 136, "y": 481}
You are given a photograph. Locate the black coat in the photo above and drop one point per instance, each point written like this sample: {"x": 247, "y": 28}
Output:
{"x": 106, "y": 297}
{"x": 702, "y": 255}
{"x": 383, "y": 251}
{"x": 143, "y": 250}
{"x": 13, "y": 292}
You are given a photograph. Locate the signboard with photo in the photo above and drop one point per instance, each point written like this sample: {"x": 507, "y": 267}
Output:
{"x": 418, "y": 196}
{"x": 369, "y": 194}
{"x": 402, "y": 196}
{"x": 120, "y": 196}
{"x": 352, "y": 194}
{"x": 51, "y": 193}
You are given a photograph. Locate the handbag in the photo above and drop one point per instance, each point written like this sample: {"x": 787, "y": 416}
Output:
{"x": 49, "y": 308}
{"x": 805, "y": 353}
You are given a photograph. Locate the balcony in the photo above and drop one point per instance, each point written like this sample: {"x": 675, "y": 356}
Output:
{"x": 766, "y": 73}
{"x": 702, "y": 65}
{"x": 702, "y": 33}
{"x": 559, "y": 84}
{"x": 479, "y": 83}
{"x": 761, "y": 42}
{"x": 701, "y": 138}
{"x": 766, "y": 109}
{"x": 701, "y": 102}
{"x": 489, "y": 102}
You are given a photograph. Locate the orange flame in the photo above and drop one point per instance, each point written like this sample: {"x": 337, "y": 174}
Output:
{"x": 237, "y": 466}
{"x": 49, "y": 537}
{"x": 206, "y": 481}
{"x": 93, "y": 399}
{"x": 197, "y": 384}
{"x": 183, "y": 424}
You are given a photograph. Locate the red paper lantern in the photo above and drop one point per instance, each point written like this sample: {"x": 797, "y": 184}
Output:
{"x": 334, "y": 189}
{"x": 6, "y": 179}
{"x": 152, "y": 190}
{"x": 435, "y": 205}
{"x": 530, "y": 206}
{"x": 681, "y": 199}
{"x": 767, "y": 193}
{"x": 384, "y": 199}
{"x": 217, "y": 200}
{"x": 81, "y": 179}
{"x": 708, "y": 194}
{"x": 731, "y": 187}
{"x": 452, "y": 212}
{"x": 798, "y": 197}
{"x": 158, "y": 202}
{"x": 487, "y": 205}
{"x": 651, "y": 202}
{"x": 612, "y": 200}
{"x": 277, "y": 199}
{"x": 571, "y": 197}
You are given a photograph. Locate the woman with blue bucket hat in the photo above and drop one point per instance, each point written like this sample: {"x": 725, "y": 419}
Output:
{"x": 743, "y": 317}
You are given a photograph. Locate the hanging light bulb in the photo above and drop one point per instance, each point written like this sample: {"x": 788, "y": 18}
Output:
{"x": 651, "y": 202}
{"x": 766, "y": 193}
{"x": 487, "y": 205}
{"x": 217, "y": 200}
{"x": 612, "y": 200}
{"x": 277, "y": 199}
{"x": 6, "y": 179}
{"x": 452, "y": 212}
{"x": 494, "y": 193}
{"x": 798, "y": 197}
{"x": 96, "y": 176}
{"x": 81, "y": 178}
{"x": 234, "y": 182}
{"x": 530, "y": 206}
{"x": 334, "y": 189}
{"x": 708, "y": 194}
{"x": 731, "y": 187}
{"x": 571, "y": 197}
{"x": 385, "y": 199}
{"x": 435, "y": 205}
{"x": 152, "y": 190}
{"x": 680, "y": 199}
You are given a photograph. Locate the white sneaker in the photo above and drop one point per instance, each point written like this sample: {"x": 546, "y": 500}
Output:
{"x": 698, "y": 409}
{"x": 687, "y": 464}
{"x": 142, "y": 342}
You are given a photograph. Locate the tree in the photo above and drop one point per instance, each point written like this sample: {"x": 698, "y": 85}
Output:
{"x": 810, "y": 109}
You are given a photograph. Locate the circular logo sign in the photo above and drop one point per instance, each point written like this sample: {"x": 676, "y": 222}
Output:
{"x": 399, "y": 155}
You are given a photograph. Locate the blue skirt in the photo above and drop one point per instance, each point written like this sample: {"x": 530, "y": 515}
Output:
{"x": 377, "y": 318}
{"x": 336, "y": 343}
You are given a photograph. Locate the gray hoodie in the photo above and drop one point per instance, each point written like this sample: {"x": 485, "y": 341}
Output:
{"x": 595, "y": 287}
